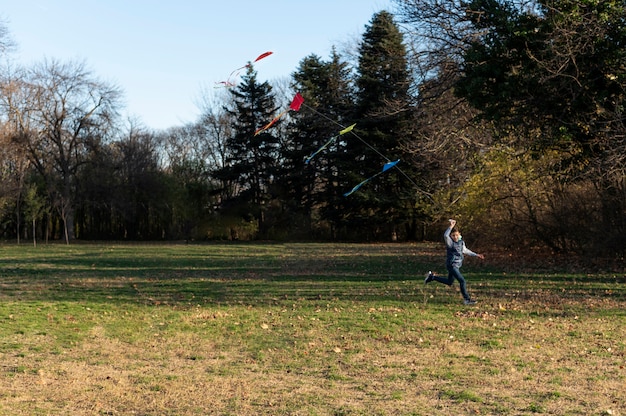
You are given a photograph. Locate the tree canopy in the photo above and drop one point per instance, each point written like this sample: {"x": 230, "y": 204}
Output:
{"x": 507, "y": 115}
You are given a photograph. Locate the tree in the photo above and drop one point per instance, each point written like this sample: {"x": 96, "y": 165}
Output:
{"x": 15, "y": 124}
{"x": 549, "y": 75}
{"x": 35, "y": 208}
{"x": 191, "y": 155}
{"x": 65, "y": 111}
{"x": 99, "y": 187}
{"x": 558, "y": 70}
{"x": 383, "y": 113}
{"x": 14, "y": 168}
{"x": 204, "y": 139}
{"x": 125, "y": 192}
{"x": 313, "y": 190}
{"x": 252, "y": 159}
{"x": 446, "y": 149}
{"x": 142, "y": 199}
{"x": 7, "y": 44}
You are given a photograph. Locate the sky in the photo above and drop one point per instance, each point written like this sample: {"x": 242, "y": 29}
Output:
{"x": 166, "y": 55}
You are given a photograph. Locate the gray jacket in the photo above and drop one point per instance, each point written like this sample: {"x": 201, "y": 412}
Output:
{"x": 455, "y": 251}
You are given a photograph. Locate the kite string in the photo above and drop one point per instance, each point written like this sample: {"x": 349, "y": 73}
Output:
{"x": 236, "y": 72}
{"x": 368, "y": 145}
{"x": 343, "y": 127}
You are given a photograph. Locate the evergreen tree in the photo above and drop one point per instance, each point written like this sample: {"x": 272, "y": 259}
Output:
{"x": 383, "y": 112}
{"x": 252, "y": 159}
{"x": 313, "y": 189}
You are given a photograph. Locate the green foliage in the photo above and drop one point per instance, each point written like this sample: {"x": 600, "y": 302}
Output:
{"x": 35, "y": 207}
{"x": 515, "y": 199}
{"x": 226, "y": 227}
{"x": 549, "y": 73}
{"x": 552, "y": 68}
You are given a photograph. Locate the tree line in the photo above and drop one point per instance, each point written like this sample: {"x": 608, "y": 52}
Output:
{"x": 505, "y": 114}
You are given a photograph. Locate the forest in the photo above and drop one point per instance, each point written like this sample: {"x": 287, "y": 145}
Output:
{"x": 506, "y": 115}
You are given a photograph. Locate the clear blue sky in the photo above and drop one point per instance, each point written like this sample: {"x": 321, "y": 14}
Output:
{"x": 163, "y": 54}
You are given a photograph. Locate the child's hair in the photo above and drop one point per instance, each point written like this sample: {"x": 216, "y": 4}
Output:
{"x": 455, "y": 230}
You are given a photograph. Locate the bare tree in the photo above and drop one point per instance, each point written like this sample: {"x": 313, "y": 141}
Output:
{"x": 63, "y": 110}
{"x": 7, "y": 44}
{"x": 13, "y": 124}
{"x": 214, "y": 128}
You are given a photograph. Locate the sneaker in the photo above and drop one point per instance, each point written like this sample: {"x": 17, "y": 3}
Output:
{"x": 429, "y": 277}
{"x": 470, "y": 302}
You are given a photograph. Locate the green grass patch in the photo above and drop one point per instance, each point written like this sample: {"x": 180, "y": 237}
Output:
{"x": 244, "y": 328}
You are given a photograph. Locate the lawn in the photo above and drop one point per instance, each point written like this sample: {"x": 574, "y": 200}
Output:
{"x": 303, "y": 329}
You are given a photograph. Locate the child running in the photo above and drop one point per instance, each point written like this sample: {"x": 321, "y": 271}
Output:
{"x": 455, "y": 250}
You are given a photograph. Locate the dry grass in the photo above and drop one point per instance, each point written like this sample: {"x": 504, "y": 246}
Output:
{"x": 301, "y": 329}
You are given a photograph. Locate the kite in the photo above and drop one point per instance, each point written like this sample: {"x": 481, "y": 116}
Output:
{"x": 373, "y": 149}
{"x": 386, "y": 167}
{"x": 263, "y": 55}
{"x": 295, "y": 105}
{"x": 235, "y": 73}
{"x": 332, "y": 139}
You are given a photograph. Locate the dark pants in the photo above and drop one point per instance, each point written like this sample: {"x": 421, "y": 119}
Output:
{"x": 454, "y": 273}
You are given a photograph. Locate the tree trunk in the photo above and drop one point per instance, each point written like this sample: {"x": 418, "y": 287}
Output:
{"x": 34, "y": 233}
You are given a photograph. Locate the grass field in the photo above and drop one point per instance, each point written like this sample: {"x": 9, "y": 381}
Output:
{"x": 302, "y": 329}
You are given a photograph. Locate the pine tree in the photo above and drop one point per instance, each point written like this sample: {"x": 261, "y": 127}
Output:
{"x": 313, "y": 188}
{"x": 253, "y": 159}
{"x": 383, "y": 111}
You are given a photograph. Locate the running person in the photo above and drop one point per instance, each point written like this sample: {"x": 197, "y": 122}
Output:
{"x": 455, "y": 251}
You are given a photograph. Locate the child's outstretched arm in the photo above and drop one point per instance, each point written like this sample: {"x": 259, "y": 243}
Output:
{"x": 471, "y": 253}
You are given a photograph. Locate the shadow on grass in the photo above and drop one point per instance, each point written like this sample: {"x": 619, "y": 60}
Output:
{"x": 258, "y": 274}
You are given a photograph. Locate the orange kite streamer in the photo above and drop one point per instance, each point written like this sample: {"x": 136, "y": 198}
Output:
{"x": 295, "y": 105}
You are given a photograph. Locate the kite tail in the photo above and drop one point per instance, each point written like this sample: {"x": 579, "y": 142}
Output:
{"x": 332, "y": 139}
{"x": 356, "y": 188}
